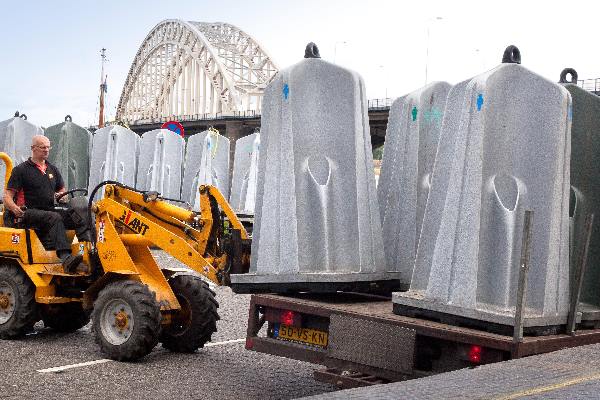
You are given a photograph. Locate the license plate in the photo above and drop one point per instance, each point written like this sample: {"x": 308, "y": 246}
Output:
{"x": 304, "y": 335}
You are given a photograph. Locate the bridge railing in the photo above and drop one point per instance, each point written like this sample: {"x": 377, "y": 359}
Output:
{"x": 199, "y": 117}
{"x": 374, "y": 105}
{"x": 593, "y": 85}
{"x": 380, "y": 104}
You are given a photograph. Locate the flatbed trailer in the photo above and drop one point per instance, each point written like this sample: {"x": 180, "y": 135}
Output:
{"x": 360, "y": 341}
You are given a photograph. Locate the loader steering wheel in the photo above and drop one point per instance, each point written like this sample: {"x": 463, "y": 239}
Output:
{"x": 71, "y": 192}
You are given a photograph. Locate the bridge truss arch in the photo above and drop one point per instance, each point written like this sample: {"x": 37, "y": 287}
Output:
{"x": 195, "y": 68}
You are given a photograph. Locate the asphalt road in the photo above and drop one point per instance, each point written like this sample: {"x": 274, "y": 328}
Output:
{"x": 572, "y": 374}
{"x": 221, "y": 370}
{"x": 49, "y": 365}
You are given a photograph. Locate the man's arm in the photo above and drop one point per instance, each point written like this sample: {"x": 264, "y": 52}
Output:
{"x": 9, "y": 203}
{"x": 60, "y": 187}
{"x": 15, "y": 183}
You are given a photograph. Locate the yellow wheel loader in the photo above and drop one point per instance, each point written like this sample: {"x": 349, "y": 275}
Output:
{"x": 134, "y": 302}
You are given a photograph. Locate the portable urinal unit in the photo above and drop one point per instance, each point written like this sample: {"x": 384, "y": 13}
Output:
{"x": 114, "y": 157}
{"x": 504, "y": 148}
{"x": 15, "y": 140}
{"x": 411, "y": 141}
{"x": 206, "y": 163}
{"x": 245, "y": 174}
{"x": 160, "y": 163}
{"x": 317, "y": 224}
{"x": 70, "y": 152}
{"x": 585, "y": 192}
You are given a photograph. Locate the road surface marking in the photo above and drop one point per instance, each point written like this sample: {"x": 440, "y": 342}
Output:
{"x": 210, "y": 344}
{"x": 549, "y": 388}
{"x": 65, "y": 367}
{"x": 105, "y": 360}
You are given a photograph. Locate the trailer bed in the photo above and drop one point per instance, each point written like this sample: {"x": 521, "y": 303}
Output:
{"x": 366, "y": 339}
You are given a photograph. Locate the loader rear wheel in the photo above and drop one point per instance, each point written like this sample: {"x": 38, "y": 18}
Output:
{"x": 193, "y": 325}
{"x": 126, "y": 320}
{"x": 18, "y": 309}
{"x": 67, "y": 317}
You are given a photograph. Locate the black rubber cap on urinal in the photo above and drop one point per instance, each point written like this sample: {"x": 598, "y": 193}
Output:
{"x": 568, "y": 71}
{"x": 312, "y": 51}
{"x": 511, "y": 55}
{"x": 68, "y": 118}
{"x": 17, "y": 114}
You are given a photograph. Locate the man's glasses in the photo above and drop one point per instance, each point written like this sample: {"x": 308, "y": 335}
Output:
{"x": 43, "y": 147}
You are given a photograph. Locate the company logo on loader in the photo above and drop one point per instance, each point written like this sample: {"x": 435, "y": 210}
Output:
{"x": 135, "y": 224}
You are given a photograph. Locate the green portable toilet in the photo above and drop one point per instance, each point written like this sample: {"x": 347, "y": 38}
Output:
{"x": 70, "y": 152}
{"x": 585, "y": 189}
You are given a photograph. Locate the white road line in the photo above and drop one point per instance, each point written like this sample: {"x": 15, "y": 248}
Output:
{"x": 105, "y": 360}
{"x": 210, "y": 344}
{"x": 65, "y": 367}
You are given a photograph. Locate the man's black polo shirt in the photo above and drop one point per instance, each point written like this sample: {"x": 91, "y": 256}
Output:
{"x": 37, "y": 187}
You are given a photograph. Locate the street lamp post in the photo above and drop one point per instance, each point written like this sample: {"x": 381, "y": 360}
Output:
{"x": 385, "y": 82}
{"x": 335, "y": 49}
{"x": 427, "y": 44}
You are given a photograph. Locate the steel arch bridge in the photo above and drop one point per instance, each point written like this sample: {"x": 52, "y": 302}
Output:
{"x": 195, "y": 68}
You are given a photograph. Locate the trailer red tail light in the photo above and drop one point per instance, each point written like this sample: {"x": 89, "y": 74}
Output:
{"x": 475, "y": 354}
{"x": 284, "y": 317}
{"x": 249, "y": 343}
{"x": 287, "y": 317}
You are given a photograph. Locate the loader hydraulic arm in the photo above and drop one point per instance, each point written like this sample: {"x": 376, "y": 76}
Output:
{"x": 127, "y": 219}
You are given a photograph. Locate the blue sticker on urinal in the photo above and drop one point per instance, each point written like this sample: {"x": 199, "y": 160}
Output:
{"x": 286, "y": 91}
{"x": 479, "y": 102}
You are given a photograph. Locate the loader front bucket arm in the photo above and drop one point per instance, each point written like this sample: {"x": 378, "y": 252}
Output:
{"x": 141, "y": 219}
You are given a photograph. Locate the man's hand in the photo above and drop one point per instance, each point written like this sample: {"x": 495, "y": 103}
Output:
{"x": 64, "y": 199}
{"x": 18, "y": 212}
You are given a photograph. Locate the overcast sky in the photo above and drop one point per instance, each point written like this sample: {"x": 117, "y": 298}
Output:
{"x": 51, "y": 49}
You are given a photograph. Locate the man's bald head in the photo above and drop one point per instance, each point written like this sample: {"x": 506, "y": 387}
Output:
{"x": 40, "y": 140}
{"x": 40, "y": 148}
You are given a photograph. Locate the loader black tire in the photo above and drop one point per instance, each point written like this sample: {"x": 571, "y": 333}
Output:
{"x": 66, "y": 318}
{"x": 18, "y": 309}
{"x": 193, "y": 325}
{"x": 126, "y": 320}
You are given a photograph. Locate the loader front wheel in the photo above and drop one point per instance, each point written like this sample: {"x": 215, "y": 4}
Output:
{"x": 18, "y": 309}
{"x": 67, "y": 317}
{"x": 193, "y": 325}
{"x": 126, "y": 320}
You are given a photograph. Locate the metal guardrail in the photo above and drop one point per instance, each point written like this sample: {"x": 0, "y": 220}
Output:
{"x": 198, "y": 117}
{"x": 380, "y": 104}
{"x": 593, "y": 85}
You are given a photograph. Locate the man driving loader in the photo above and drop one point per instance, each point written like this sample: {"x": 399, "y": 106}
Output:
{"x": 31, "y": 195}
